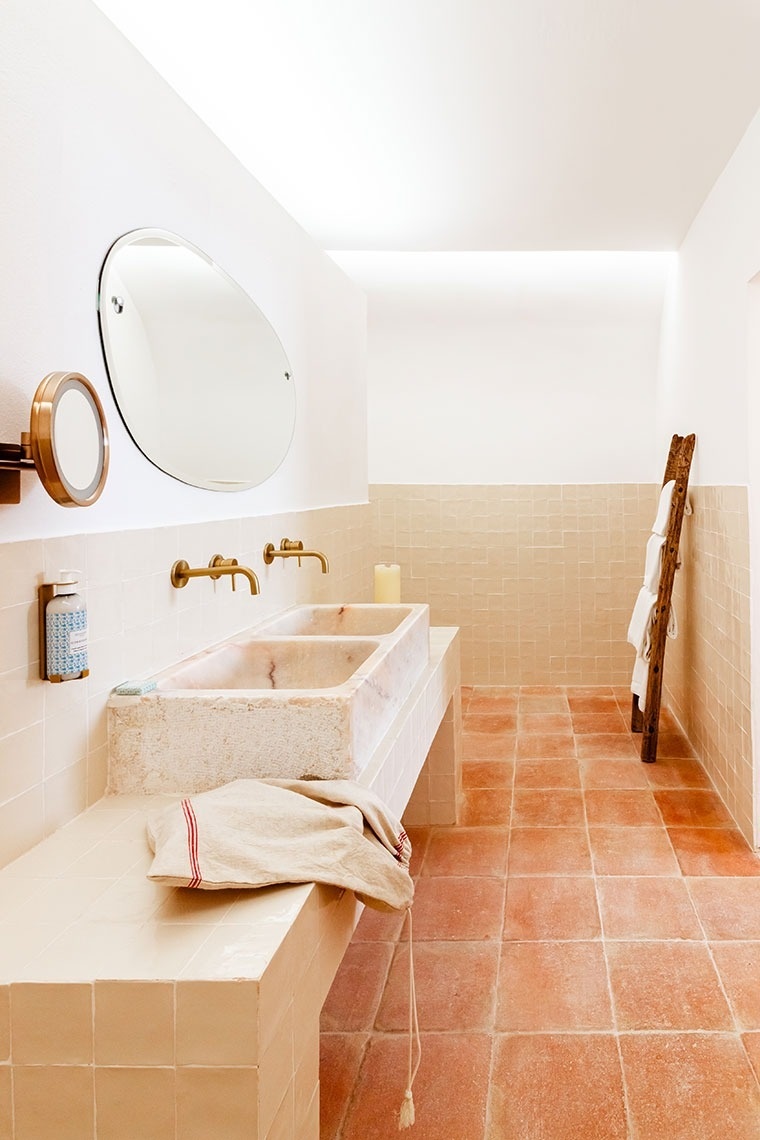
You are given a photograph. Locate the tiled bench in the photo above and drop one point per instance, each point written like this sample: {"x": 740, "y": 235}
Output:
{"x": 131, "y": 1010}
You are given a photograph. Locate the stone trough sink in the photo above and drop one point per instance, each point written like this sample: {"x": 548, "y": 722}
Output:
{"x": 309, "y": 693}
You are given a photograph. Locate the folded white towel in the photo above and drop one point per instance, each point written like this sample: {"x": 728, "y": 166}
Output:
{"x": 653, "y": 562}
{"x": 257, "y": 833}
{"x": 663, "y": 508}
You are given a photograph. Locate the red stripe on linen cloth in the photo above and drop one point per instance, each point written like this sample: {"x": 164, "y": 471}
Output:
{"x": 192, "y": 843}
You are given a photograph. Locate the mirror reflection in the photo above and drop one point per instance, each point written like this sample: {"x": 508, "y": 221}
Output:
{"x": 199, "y": 375}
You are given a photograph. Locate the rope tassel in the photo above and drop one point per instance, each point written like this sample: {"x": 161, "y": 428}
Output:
{"x": 406, "y": 1113}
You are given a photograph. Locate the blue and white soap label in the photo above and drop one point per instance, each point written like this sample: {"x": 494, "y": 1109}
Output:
{"x": 66, "y": 643}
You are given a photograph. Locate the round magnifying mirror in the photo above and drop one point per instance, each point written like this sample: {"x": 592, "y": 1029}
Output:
{"x": 69, "y": 439}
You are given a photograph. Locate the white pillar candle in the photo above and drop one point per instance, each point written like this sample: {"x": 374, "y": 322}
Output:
{"x": 387, "y": 582}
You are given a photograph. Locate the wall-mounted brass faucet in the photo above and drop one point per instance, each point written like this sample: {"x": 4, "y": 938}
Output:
{"x": 181, "y": 573}
{"x": 293, "y": 549}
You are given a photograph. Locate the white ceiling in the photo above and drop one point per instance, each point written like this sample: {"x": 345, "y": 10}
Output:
{"x": 468, "y": 124}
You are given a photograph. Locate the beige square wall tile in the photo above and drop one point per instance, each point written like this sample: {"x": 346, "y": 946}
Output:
{"x": 134, "y": 1023}
{"x": 217, "y": 1023}
{"x": 217, "y": 1102}
{"x": 54, "y": 1103}
{"x": 134, "y": 1103}
{"x": 276, "y": 1072}
{"x": 51, "y": 1024}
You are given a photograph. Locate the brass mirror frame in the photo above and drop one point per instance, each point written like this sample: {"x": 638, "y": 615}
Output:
{"x": 37, "y": 449}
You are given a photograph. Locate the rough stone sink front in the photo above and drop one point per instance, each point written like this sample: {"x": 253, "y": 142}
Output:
{"x": 260, "y": 704}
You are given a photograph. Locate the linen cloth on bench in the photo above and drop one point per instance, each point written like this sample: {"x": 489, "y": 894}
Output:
{"x": 258, "y": 833}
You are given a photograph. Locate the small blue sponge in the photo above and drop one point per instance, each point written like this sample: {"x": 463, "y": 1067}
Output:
{"x": 134, "y": 688}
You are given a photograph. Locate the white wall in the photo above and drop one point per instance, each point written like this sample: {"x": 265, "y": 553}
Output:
{"x": 705, "y": 379}
{"x": 93, "y": 144}
{"x": 512, "y": 368}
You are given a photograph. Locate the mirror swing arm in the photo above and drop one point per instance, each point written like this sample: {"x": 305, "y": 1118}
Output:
{"x": 38, "y": 450}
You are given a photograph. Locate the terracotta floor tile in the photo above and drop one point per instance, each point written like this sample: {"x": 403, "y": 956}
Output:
{"x": 467, "y": 851}
{"x": 666, "y": 985}
{"x": 545, "y": 704}
{"x": 690, "y": 1086}
{"x": 378, "y": 926}
{"x": 491, "y": 723}
{"x": 581, "y": 692}
{"x": 606, "y": 746}
{"x": 450, "y": 1092}
{"x": 673, "y": 744}
{"x": 486, "y": 807}
{"x": 340, "y": 1057}
{"x": 419, "y": 837}
{"x": 494, "y": 704}
{"x": 455, "y": 984}
{"x": 355, "y": 994}
{"x": 547, "y": 774}
{"x": 751, "y": 1042}
{"x": 544, "y": 723}
{"x": 738, "y": 964}
{"x": 549, "y": 851}
{"x": 728, "y": 908}
{"x": 620, "y": 773}
{"x": 553, "y": 745}
{"x": 650, "y": 907}
{"x": 552, "y": 808}
{"x": 467, "y": 909}
{"x": 693, "y": 808}
{"x": 556, "y": 1087}
{"x": 487, "y": 746}
{"x": 713, "y": 851}
{"x": 545, "y": 987}
{"x": 596, "y": 723}
{"x": 673, "y": 772}
{"x": 559, "y": 907}
{"x": 541, "y": 691}
{"x": 622, "y": 851}
{"x": 487, "y": 773}
{"x": 621, "y": 808}
{"x": 600, "y": 703}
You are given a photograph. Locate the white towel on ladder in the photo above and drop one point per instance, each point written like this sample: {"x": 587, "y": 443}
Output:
{"x": 662, "y": 517}
{"x": 653, "y": 562}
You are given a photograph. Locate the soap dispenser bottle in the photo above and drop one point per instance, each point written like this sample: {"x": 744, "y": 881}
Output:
{"x": 66, "y": 630}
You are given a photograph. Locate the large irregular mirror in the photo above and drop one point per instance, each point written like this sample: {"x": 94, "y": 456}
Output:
{"x": 199, "y": 375}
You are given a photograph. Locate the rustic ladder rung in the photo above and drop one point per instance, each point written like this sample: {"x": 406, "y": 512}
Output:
{"x": 677, "y": 468}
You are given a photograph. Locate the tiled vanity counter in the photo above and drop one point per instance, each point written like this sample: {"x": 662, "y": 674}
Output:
{"x": 133, "y": 1010}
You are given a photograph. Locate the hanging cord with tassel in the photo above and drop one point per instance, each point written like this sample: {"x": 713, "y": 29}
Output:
{"x": 406, "y": 1115}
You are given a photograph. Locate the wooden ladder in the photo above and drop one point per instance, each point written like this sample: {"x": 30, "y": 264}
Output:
{"x": 648, "y": 722}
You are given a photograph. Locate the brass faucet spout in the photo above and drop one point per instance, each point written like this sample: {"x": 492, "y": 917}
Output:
{"x": 293, "y": 549}
{"x": 218, "y": 567}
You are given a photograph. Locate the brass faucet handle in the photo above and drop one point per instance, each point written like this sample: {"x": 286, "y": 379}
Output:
{"x": 291, "y": 545}
{"x": 218, "y": 560}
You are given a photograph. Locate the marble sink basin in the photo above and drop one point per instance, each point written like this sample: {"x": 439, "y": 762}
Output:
{"x": 337, "y": 621}
{"x": 280, "y": 700}
{"x": 270, "y": 665}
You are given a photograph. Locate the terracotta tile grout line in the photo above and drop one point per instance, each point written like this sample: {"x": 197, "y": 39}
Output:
{"x": 613, "y": 1010}
{"x": 737, "y": 1027}
{"x": 500, "y": 952}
